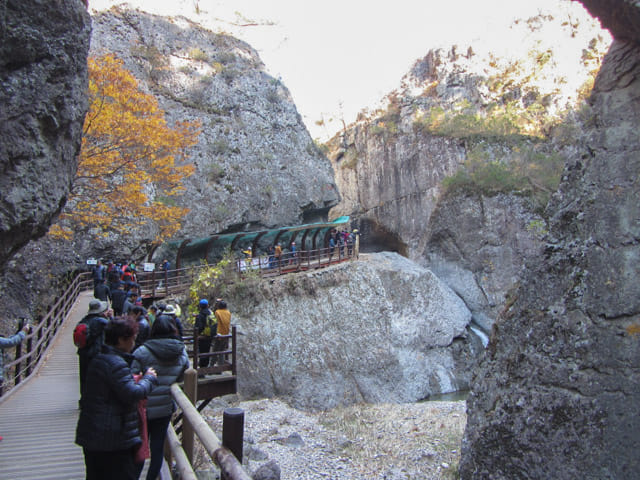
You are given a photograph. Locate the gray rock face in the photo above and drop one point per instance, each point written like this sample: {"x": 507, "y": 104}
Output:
{"x": 390, "y": 168}
{"x": 256, "y": 164}
{"x": 478, "y": 246}
{"x": 382, "y": 329}
{"x": 43, "y": 71}
{"x": 557, "y": 394}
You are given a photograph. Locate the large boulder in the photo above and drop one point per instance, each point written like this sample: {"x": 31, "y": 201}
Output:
{"x": 558, "y": 393}
{"x": 43, "y": 100}
{"x": 381, "y": 329}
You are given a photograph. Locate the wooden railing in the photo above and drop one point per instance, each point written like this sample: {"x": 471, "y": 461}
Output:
{"x": 29, "y": 356}
{"x": 227, "y": 455}
{"x": 165, "y": 283}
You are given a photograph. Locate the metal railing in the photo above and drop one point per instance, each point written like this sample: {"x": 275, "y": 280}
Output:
{"x": 289, "y": 262}
{"x": 30, "y": 354}
{"x": 165, "y": 283}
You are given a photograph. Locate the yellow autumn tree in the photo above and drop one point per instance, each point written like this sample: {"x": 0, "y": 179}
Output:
{"x": 131, "y": 163}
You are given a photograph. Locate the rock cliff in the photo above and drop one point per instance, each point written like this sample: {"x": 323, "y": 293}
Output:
{"x": 556, "y": 395}
{"x": 380, "y": 329}
{"x": 491, "y": 129}
{"x": 43, "y": 71}
{"x": 256, "y": 164}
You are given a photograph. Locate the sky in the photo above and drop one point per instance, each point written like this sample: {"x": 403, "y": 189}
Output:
{"x": 338, "y": 57}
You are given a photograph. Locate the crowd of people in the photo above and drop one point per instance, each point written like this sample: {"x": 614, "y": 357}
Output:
{"x": 340, "y": 242}
{"x": 129, "y": 356}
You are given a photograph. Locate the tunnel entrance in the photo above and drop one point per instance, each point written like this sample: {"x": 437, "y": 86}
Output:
{"x": 377, "y": 238}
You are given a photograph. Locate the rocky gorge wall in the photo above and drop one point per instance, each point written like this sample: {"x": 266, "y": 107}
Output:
{"x": 256, "y": 165}
{"x": 458, "y": 108}
{"x": 43, "y": 70}
{"x": 557, "y": 394}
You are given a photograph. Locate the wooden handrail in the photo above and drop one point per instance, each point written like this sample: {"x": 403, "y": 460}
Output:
{"x": 229, "y": 465}
{"x": 26, "y": 363}
{"x": 185, "y": 470}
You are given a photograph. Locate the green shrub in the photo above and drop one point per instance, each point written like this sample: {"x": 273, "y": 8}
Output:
{"x": 220, "y": 147}
{"x": 222, "y": 281}
{"x": 198, "y": 54}
{"x": 525, "y": 172}
{"x": 215, "y": 172}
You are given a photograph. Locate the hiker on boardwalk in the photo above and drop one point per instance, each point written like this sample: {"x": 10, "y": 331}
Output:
{"x": 102, "y": 291}
{"x": 170, "y": 311}
{"x": 137, "y": 313}
{"x": 278, "y": 254}
{"x": 108, "y": 427}
{"x": 98, "y": 273}
{"x": 223, "y": 319}
{"x": 90, "y": 339}
{"x": 8, "y": 342}
{"x": 167, "y": 354}
{"x": 205, "y": 325}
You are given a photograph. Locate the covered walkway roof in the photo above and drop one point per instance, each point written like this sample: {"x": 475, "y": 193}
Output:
{"x": 210, "y": 249}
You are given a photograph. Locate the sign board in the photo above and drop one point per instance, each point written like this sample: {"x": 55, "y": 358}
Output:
{"x": 92, "y": 261}
{"x": 149, "y": 267}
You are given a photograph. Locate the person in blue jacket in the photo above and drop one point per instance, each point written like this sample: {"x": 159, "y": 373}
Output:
{"x": 108, "y": 427}
{"x": 8, "y": 342}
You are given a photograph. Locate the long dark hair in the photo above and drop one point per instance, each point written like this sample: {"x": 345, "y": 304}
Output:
{"x": 164, "y": 327}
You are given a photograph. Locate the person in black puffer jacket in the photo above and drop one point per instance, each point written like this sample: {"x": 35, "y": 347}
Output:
{"x": 167, "y": 354}
{"x": 108, "y": 429}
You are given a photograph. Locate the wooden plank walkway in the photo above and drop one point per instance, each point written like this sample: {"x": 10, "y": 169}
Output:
{"x": 38, "y": 420}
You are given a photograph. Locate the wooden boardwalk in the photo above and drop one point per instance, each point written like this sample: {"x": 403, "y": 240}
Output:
{"x": 38, "y": 420}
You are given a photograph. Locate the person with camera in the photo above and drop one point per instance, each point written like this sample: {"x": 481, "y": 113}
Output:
{"x": 108, "y": 427}
{"x": 8, "y": 342}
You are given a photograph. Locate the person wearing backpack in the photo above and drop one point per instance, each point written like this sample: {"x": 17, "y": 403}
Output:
{"x": 205, "y": 326}
{"x": 88, "y": 336}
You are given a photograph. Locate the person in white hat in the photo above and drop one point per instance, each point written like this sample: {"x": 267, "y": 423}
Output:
{"x": 88, "y": 336}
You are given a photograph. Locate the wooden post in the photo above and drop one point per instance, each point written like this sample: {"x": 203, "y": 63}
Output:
{"x": 18, "y": 354}
{"x": 30, "y": 361}
{"x": 234, "y": 369}
{"x": 233, "y": 432}
{"x": 191, "y": 390}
